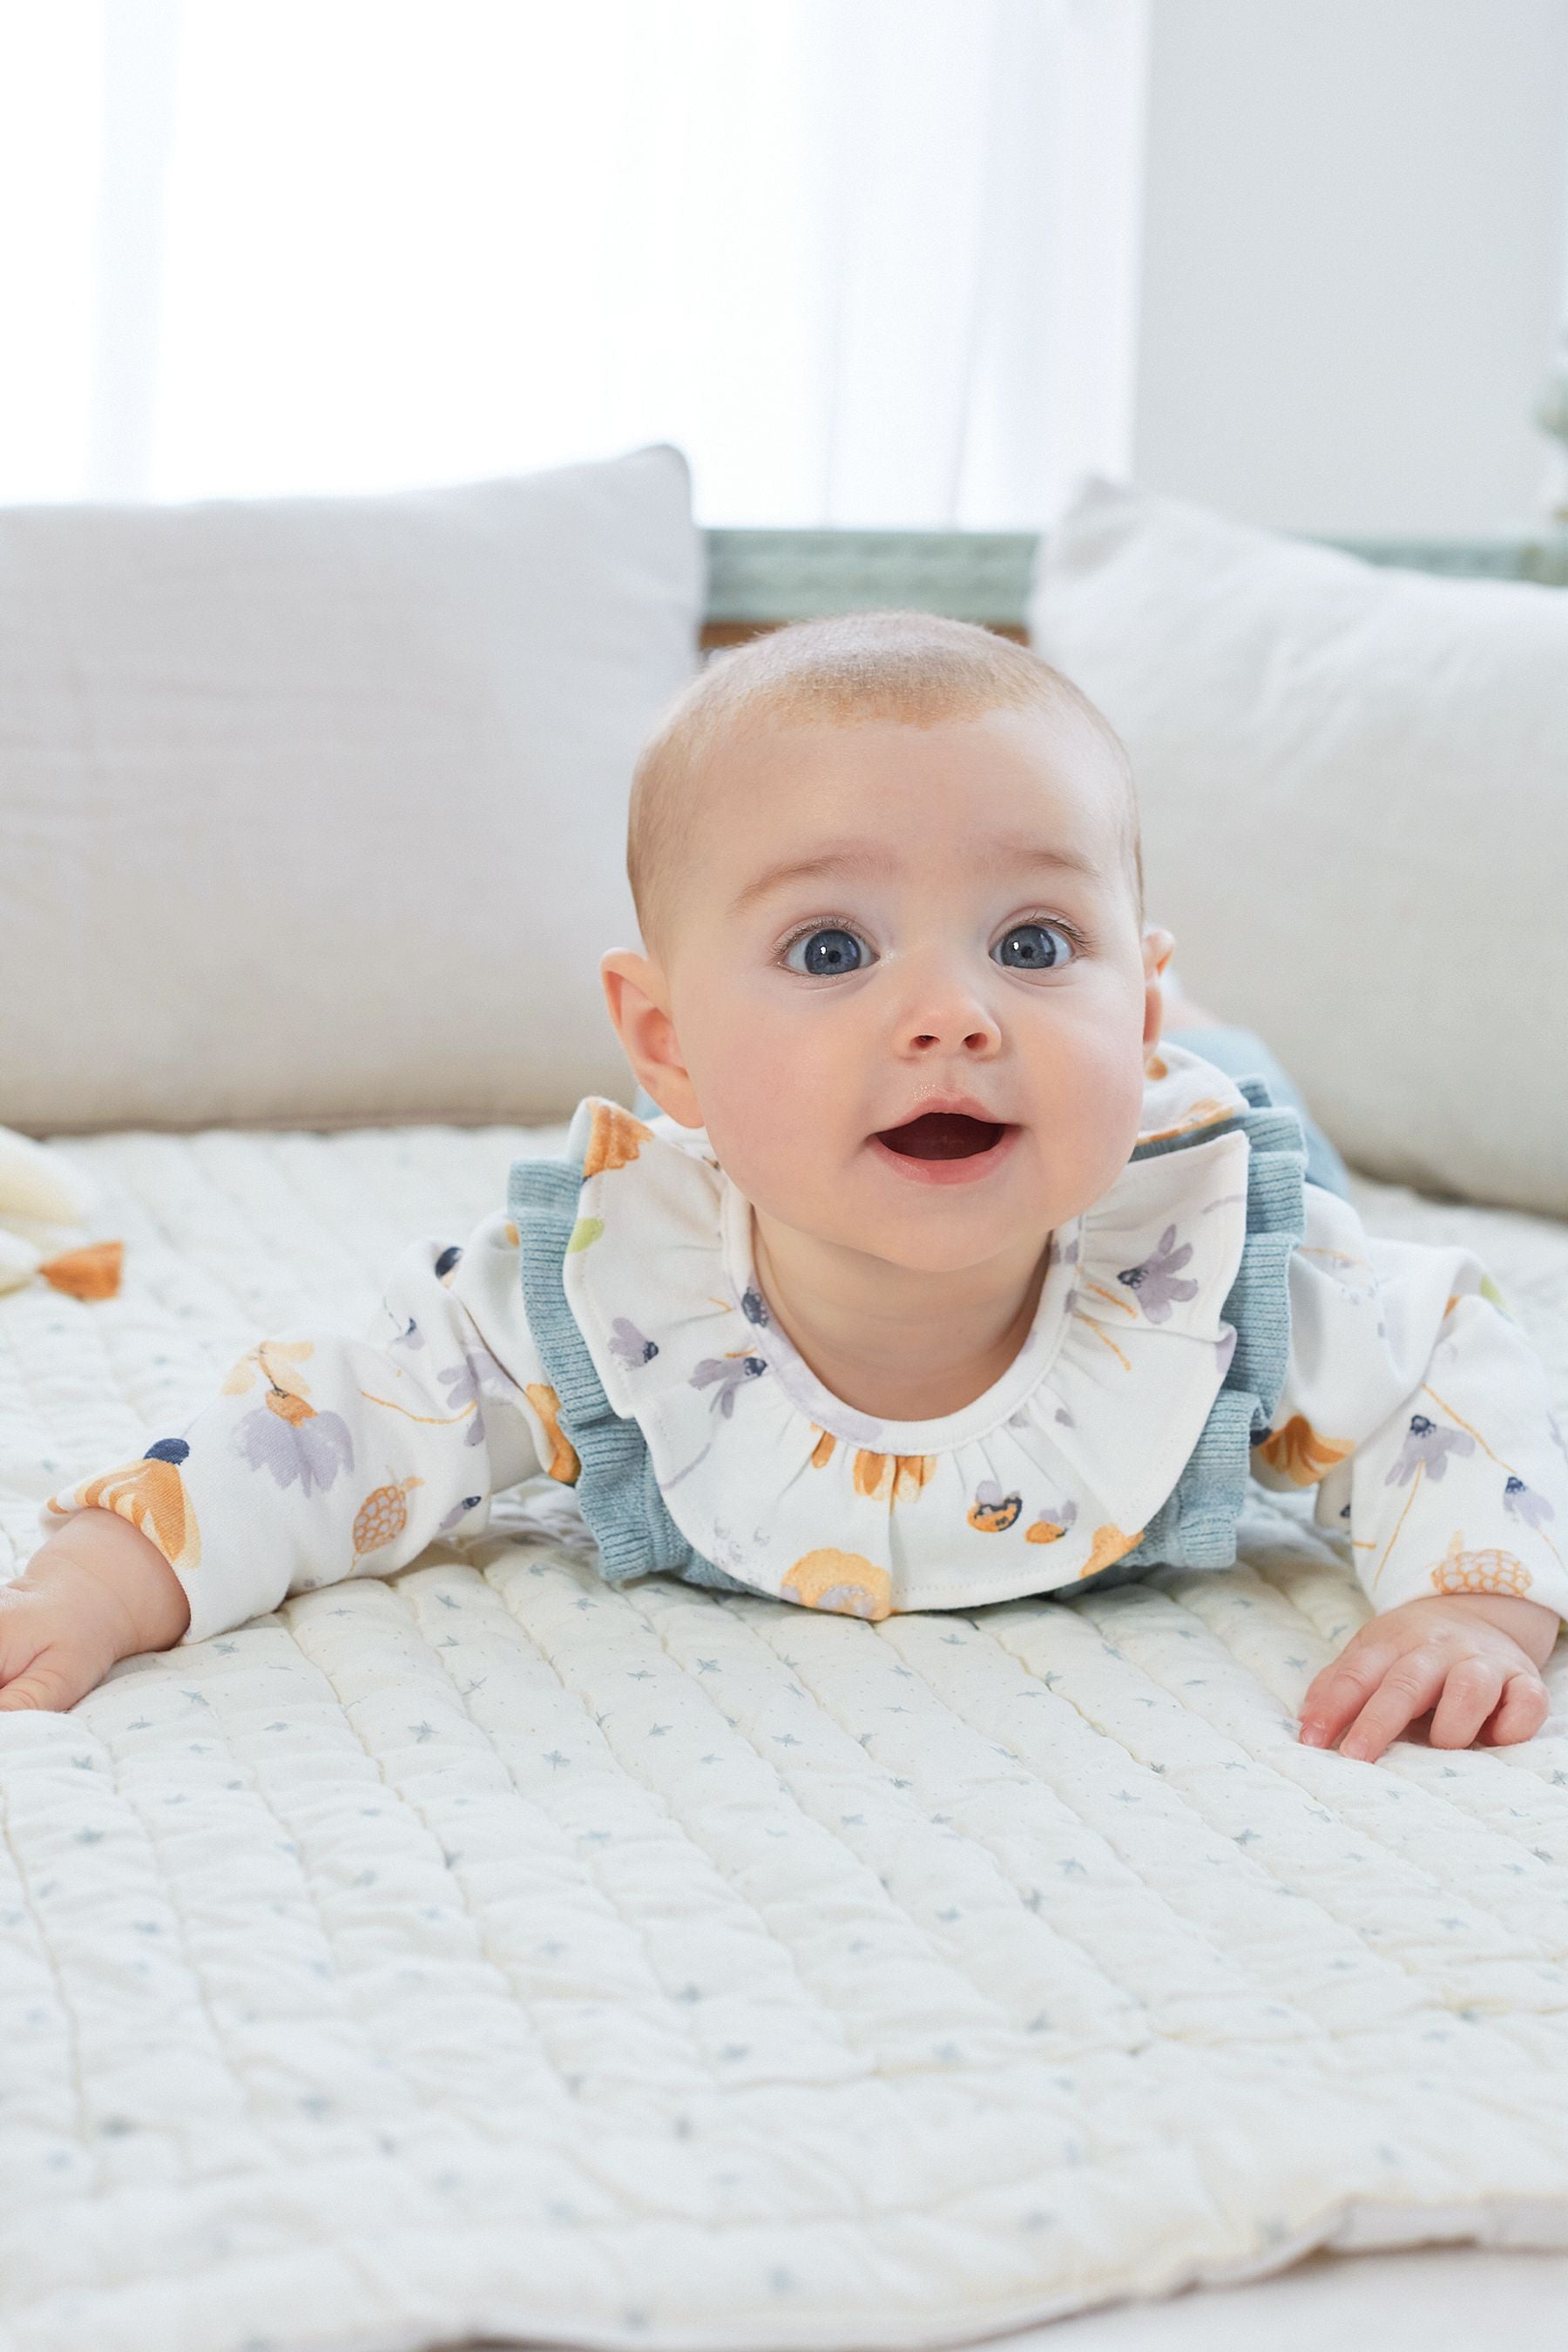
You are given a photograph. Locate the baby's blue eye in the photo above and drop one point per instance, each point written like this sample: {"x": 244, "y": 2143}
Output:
{"x": 831, "y": 950}
{"x": 828, "y": 953}
{"x": 1034, "y": 947}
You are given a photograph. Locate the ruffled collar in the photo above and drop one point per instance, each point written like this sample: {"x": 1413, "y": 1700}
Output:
{"x": 1047, "y": 1476}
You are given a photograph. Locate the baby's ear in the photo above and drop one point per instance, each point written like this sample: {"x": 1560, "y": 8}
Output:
{"x": 635, "y": 994}
{"x": 1159, "y": 946}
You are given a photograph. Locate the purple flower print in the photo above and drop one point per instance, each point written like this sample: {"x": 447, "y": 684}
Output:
{"x": 459, "y": 1511}
{"x": 1051, "y": 1522}
{"x": 466, "y": 1384}
{"x": 1428, "y": 1447}
{"x": 1522, "y": 1502}
{"x": 1156, "y": 1282}
{"x": 411, "y": 1336}
{"x": 731, "y": 1372}
{"x": 310, "y": 1447}
{"x": 736, "y": 1554}
{"x": 754, "y": 1306}
{"x": 448, "y": 1261}
{"x": 628, "y": 1342}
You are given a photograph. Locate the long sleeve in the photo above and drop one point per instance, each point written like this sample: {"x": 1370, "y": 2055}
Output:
{"x": 1420, "y": 1411}
{"x": 324, "y": 1457}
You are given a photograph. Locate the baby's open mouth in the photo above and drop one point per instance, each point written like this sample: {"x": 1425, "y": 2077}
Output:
{"x": 942, "y": 1135}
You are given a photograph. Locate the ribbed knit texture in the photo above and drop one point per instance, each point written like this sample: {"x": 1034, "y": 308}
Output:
{"x": 1193, "y": 1527}
{"x": 620, "y": 1498}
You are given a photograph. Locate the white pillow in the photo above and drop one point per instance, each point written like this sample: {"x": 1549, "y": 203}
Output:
{"x": 1354, "y": 789}
{"x": 314, "y": 811}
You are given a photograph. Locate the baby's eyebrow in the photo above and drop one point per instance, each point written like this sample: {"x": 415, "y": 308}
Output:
{"x": 860, "y": 857}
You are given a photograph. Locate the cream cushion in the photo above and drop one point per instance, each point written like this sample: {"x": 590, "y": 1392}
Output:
{"x": 314, "y": 811}
{"x": 1354, "y": 792}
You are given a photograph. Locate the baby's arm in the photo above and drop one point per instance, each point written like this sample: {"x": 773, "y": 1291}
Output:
{"x": 1420, "y": 1412}
{"x": 322, "y": 1457}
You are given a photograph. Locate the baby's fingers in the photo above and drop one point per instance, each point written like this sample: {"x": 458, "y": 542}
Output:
{"x": 1471, "y": 1692}
{"x": 48, "y": 1674}
{"x": 1526, "y": 1703}
{"x": 1409, "y": 1687}
{"x": 1337, "y": 1694}
{"x": 43, "y": 1687}
{"x": 41, "y": 1684}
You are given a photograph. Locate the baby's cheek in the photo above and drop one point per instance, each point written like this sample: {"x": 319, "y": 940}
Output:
{"x": 1089, "y": 1141}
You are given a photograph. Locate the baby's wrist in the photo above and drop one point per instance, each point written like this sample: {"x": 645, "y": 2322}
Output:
{"x": 119, "y": 1570}
{"x": 1531, "y": 1624}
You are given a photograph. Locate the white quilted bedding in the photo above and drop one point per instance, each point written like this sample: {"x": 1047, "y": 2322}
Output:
{"x": 482, "y": 1952}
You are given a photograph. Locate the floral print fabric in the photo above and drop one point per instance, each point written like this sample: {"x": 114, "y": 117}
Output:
{"x": 1413, "y": 1407}
{"x": 324, "y": 1457}
{"x": 1420, "y": 1412}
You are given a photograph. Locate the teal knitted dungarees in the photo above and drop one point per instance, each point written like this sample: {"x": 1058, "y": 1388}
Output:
{"x": 1193, "y": 1527}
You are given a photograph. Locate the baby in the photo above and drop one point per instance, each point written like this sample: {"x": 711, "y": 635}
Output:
{"x": 936, "y": 1276}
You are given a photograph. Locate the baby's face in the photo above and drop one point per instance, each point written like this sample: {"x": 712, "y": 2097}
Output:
{"x": 883, "y": 921}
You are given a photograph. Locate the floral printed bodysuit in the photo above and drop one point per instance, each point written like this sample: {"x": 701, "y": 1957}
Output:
{"x": 1413, "y": 1405}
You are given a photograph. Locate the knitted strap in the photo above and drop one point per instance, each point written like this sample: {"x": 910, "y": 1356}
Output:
{"x": 1194, "y": 1527}
{"x": 619, "y": 1495}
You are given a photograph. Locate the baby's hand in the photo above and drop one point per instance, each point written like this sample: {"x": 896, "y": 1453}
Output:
{"x": 96, "y": 1592}
{"x": 1474, "y": 1656}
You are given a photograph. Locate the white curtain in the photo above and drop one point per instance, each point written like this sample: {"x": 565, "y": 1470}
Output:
{"x": 869, "y": 262}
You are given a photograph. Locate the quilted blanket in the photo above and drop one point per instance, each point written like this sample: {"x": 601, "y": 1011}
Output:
{"x": 481, "y": 1951}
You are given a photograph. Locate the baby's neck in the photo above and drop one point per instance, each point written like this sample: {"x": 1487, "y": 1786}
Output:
{"x": 893, "y": 1342}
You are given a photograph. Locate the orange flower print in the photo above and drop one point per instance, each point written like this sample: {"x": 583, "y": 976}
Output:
{"x": 275, "y": 1360}
{"x": 1052, "y": 1524}
{"x": 843, "y": 1582}
{"x": 1208, "y": 1112}
{"x": 563, "y": 1463}
{"x": 822, "y": 1451}
{"x": 382, "y": 1517}
{"x": 1460, "y": 1571}
{"x": 893, "y": 1477}
{"x": 87, "y": 1273}
{"x": 992, "y": 1513}
{"x": 152, "y": 1495}
{"x": 614, "y": 1139}
{"x": 1110, "y": 1544}
{"x": 1299, "y": 1454}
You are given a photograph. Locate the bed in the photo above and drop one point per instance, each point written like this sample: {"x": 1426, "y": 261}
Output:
{"x": 484, "y": 1954}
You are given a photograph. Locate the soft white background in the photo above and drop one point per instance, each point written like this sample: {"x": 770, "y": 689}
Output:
{"x": 870, "y": 261}
{"x": 264, "y": 245}
{"x": 1353, "y": 257}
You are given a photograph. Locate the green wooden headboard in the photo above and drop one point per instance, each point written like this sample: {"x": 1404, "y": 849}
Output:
{"x": 757, "y": 579}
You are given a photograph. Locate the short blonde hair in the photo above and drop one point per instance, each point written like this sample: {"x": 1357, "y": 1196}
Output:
{"x": 916, "y": 667}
